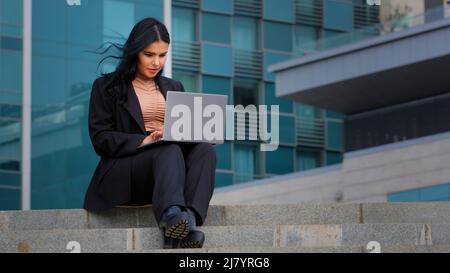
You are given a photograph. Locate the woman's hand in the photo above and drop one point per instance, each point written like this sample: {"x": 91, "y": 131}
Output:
{"x": 155, "y": 135}
{"x": 152, "y": 137}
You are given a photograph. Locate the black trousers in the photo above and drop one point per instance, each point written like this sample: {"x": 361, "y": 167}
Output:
{"x": 170, "y": 174}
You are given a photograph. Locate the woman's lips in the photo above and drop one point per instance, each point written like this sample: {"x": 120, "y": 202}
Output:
{"x": 152, "y": 70}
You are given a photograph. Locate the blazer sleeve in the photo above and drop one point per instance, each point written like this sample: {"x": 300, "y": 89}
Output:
{"x": 105, "y": 139}
{"x": 180, "y": 86}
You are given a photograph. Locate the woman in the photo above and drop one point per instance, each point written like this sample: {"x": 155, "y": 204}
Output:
{"x": 126, "y": 111}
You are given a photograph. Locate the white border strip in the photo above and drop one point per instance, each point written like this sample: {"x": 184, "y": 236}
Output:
{"x": 167, "y": 13}
{"x": 26, "y": 105}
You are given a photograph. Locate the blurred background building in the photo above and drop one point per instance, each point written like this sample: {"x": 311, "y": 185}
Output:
{"x": 218, "y": 46}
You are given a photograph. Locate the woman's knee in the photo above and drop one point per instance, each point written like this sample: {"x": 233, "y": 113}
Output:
{"x": 171, "y": 151}
{"x": 207, "y": 150}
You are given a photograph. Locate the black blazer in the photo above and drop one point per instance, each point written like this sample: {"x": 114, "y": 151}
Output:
{"x": 116, "y": 129}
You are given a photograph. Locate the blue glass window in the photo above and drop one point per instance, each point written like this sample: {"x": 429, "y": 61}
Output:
{"x": 223, "y": 179}
{"x": 217, "y": 60}
{"x": 222, "y": 6}
{"x": 272, "y": 58}
{"x": 335, "y": 135}
{"x": 277, "y": 36}
{"x": 245, "y": 163}
{"x": 338, "y": 15}
{"x": 118, "y": 20}
{"x": 189, "y": 80}
{"x": 307, "y": 159}
{"x": 280, "y": 161}
{"x": 216, "y": 28}
{"x": 217, "y": 85}
{"x": 333, "y": 158}
{"x": 10, "y": 199}
{"x": 279, "y": 10}
{"x": 184, "y": 24}
{"x": 426, "y": 194}
{"x": 271, "y": 99}
{"x": 245, "y": 33}
{"x": 306, "y": 39}
{"x": 223, "y": 152}
{"x": 245, "y": 92}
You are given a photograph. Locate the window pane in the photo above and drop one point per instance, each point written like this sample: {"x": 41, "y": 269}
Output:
{"x": 307, "y": 160}
{"x": 11, "y": 70}
{"x": 217, "y": 85}
{"x": 271, "y": 99}
{"x": 334, "y": 39}
{"x": 245, "y": 33}
{"x": 189, "y": 81}
{"x": 183, "y": 25}
{"x": 338, "y": 15}
{"x": 216, "y": 28}
{"x": 307, "y": 111}
{"x": 335, "y": 135}
{"x": 223, "y": 179}
{"x": 223, "y": 152}
{"x": 306, "y": 39}
{"x": 10, "y": 199}
{"x": 280, "y": 161}
{"x": 11, "y": 12}
{"x": 334, "y": 158}
{"x": 118, "y": 20}
{"x": 278, "y": 36}
{"x": 245, "y": 92}
{"x": 244, "y": 162}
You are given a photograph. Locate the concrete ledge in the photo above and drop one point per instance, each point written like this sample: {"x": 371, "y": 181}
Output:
{"x": 242, "y": 237}
{"x": 307, "y": 213}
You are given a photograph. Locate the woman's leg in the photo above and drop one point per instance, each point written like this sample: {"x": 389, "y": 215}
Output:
{"x": 158, "y": 174}
{"x": 200, "y": 160}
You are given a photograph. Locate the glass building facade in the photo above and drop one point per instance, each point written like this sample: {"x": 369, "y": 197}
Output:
{"x": 221, "y": 47}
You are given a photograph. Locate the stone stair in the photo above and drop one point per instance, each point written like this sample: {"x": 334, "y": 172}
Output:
{"x": 316, "y": 228}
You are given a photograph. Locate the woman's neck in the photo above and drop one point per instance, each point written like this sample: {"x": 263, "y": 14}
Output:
{"x": 144, "y": 80}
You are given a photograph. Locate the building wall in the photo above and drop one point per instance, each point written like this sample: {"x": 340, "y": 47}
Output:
{"x": 369, "y": 175}
{"x": 218, "y": 47}
{"x": 10, "y": 102}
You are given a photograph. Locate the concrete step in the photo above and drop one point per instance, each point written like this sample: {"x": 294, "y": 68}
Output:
{"x": 237, "y": 236}
{"x": 338, "y": 249}
{"x": 438, "y": 212}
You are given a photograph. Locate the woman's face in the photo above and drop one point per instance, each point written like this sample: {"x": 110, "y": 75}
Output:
{"x": 152, "y": 59}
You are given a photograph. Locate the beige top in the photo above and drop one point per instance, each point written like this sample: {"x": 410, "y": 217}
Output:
{"x": 153, "y": 105}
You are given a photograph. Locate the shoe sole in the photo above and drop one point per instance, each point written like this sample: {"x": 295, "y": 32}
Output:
{"x": 193, "y": 241}
{"x": 192, "y": 244}
{"x": 179, "y": 230}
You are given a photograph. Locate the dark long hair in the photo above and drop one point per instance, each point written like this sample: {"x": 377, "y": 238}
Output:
{"x": 143, "y": 33}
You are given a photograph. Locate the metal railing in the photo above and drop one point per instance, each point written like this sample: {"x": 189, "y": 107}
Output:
{"x": 402, "y": 22}
{"x": 309, "y": 12}
{"x": 248, "y": 63}
{"x": 248, "y": 7}
{"x": 195, "y": 4}
{"x": 310, "y": 132}
{"x": 186, "y": 56}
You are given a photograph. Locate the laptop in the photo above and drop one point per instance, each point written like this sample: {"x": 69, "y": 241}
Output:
{"x": 188, "y": 122}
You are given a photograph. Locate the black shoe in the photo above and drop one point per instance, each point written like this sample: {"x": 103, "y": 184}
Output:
{"x": 174, "y": 223}
{"x": 171, "y": 242}
{"x": 195, "y": 238}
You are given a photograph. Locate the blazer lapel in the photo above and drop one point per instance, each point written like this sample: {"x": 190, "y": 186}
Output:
{"x": 134, "y": 108}
{"x": 164, "y": 86}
